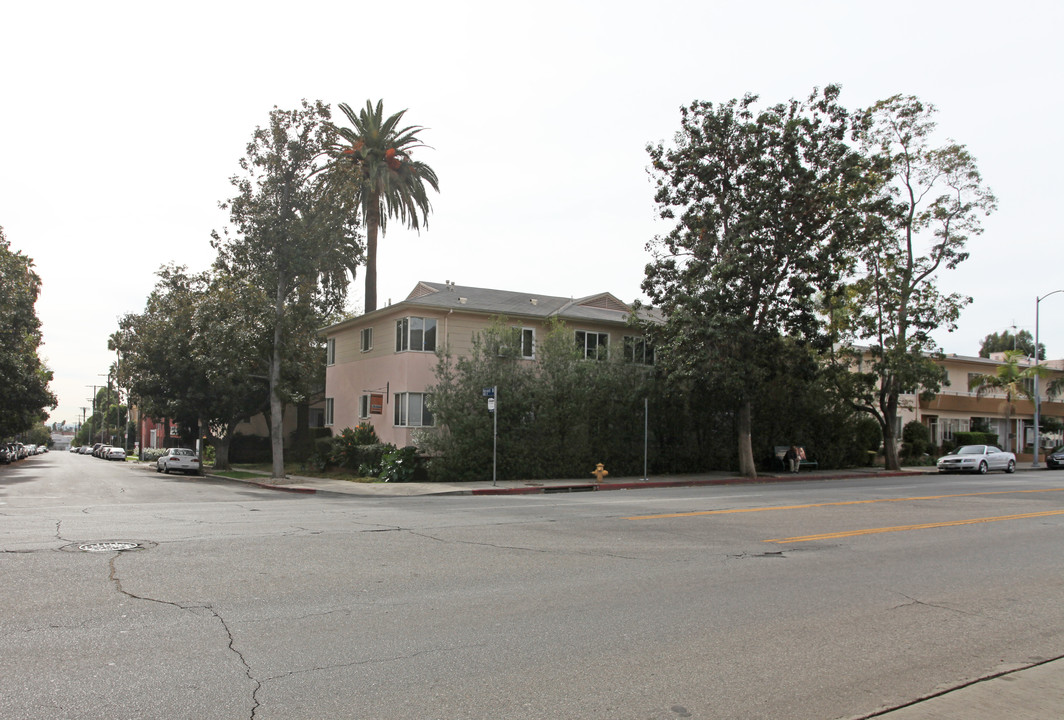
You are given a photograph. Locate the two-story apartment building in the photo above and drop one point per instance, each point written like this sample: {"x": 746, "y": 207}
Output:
{"x": 957, "y": 409}
{"x": 379, "y": 365}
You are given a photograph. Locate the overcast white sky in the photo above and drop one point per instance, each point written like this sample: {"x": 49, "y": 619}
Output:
{"x": 121, "y": 123}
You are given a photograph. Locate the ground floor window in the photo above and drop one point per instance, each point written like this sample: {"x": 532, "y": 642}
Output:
{"x": 411, "y": 410}
{"x": 328, "y": 412}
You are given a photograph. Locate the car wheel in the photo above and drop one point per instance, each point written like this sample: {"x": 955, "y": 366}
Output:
{"x": 157, "y": 468}
{"x": 983, "y": 468}
{"x": 166, "y": 468}
{"x": 1012, "y": 467}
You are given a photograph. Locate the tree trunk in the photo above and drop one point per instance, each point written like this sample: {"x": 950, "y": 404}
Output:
{"x": 890, "y": 446}
{"x": 276, "y": 410}
{"x": 373, "y": 222}
{"x": 746, "y": 449}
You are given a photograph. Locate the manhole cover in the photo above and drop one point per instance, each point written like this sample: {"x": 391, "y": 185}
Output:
{"x": 108, "y": 546}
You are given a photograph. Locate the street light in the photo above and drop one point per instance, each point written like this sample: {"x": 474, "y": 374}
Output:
{"x": 1037, "y": 399}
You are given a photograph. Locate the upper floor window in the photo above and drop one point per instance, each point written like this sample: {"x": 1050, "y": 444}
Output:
{"x": 330, "y": 351}
{"x": 593, "y": 345}
{"x": 638, "y": 350}
{"x": 366, "y": 342}
{"x": 415, "y": 333}
{"x": 520, "y": 342}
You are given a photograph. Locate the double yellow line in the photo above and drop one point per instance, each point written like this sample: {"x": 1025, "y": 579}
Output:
{"x": 870, "y": 531}
{"x": 902, "y": 528}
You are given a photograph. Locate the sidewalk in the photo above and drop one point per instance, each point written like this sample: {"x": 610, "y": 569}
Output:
{"x": 301, "y": 484}
{"x": 1026, "y": 693}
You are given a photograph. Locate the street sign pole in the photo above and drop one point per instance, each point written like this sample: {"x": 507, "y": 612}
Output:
{"x": 492, "y": 394}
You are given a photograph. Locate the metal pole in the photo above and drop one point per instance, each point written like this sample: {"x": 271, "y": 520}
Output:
{"x": 1037, "y": 399}
{"x": 495, "y": 432}
{"x": 646, "y": 426}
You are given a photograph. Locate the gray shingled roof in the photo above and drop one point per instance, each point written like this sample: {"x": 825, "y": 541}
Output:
{"x": 600, "y": 307}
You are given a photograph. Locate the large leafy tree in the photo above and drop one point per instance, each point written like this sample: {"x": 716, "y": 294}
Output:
{"x": 1021, "y": 340}
{"x": 373, "y": 163}
{"x": 195, "y": 356}
{"x": 765, "y": 202}
{"x": 931, "y": 200}
{"x": 24, "y": 378}
{"x": 292, "y": 235}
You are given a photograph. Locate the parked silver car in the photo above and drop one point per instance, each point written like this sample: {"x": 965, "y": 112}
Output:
{"x": 181, "y": 459}
{"x": 978, "y": 459}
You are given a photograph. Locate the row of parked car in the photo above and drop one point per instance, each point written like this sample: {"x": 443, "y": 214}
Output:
{"x": 11, "y": 452}
{"x": 173, "y": 460}
{"x": 106, "y": 452}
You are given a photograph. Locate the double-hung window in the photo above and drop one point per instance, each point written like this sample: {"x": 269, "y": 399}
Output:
{"x": 366, "y": 340}
{"x": 411, "y": 410}
{"x": 593, "y": 345}
{"x": 638, "y": 351}
{"x": 415, "y": 333}
{"x": 363, "y": 407}
{"x": 330, "y": 351}
{"x": 328, "y": 412}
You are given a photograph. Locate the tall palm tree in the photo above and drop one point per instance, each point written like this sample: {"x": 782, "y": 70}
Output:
{"x": 1010, "y": 379}
{"x": 373, "y": 160}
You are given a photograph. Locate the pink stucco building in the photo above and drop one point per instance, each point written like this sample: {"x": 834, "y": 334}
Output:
{"x": 381, "y": 363}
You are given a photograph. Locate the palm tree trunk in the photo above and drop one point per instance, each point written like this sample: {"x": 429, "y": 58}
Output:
{"x": 373, "y": 222}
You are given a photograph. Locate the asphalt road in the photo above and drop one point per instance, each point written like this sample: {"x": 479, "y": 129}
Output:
{"x": 799, "y": 600}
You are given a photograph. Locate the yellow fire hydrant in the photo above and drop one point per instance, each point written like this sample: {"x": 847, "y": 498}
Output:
{"x": 599, "y": 472}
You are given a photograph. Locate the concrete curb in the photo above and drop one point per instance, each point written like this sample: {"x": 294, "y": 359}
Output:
{"x": 648, "y": 484}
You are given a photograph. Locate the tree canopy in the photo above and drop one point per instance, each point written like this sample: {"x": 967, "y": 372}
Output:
{"x": 373, "y": 164}
{"x": 24, "y": 393}
{"x": 292, "y": 235}
{"x": 931, "y": 199}
{"x": 766, "y": 203}
{"x": 1004, "y": 341}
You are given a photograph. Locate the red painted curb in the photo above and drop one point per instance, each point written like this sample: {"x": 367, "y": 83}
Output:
{"x": 682, "y": 483}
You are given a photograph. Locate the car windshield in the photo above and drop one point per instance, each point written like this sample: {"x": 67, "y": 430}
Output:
{"x": 182, "y": 451}
{"x": 972, "y": 450}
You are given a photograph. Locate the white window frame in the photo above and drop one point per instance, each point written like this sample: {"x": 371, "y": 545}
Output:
{"x": 635, "y": 343}
{"x": 330, "y": 351}
{"x": 363, "y": 407}
{"x": 329, "y": 408}
{"x": 408, "y": 414}
{"x": 582, "y": 344}
{"x": 410, "y": 338}
{"x": 366, "y": 339}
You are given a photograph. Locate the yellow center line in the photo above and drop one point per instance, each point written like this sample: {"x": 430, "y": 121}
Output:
{"x": 834, "y": 504}
{"x": 902, "y": 528}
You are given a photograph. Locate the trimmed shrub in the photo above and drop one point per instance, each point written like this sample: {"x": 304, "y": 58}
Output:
{"x": 974, "y": 438}
{"x": 250, "y": 449}
{"x": 916, "y": 438}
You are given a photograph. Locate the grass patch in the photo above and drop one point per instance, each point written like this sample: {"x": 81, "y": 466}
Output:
{"x": 295, "y": 469}
{"x": 237, "y": 474}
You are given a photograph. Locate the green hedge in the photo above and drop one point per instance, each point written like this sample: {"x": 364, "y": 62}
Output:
{"x": 975, "y": 438}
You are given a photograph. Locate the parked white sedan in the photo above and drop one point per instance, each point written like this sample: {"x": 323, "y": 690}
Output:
{"x": 115, "y": 453}
{"x": 181, "y": 459}
{"x": 978, "y": 459}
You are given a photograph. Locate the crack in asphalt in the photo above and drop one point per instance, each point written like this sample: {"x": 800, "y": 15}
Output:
{"x": 914, "y": 601}
{"x": 372, "y": 661}
{"x": 544, "y": 551}
{"x": 117, "y": 582}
